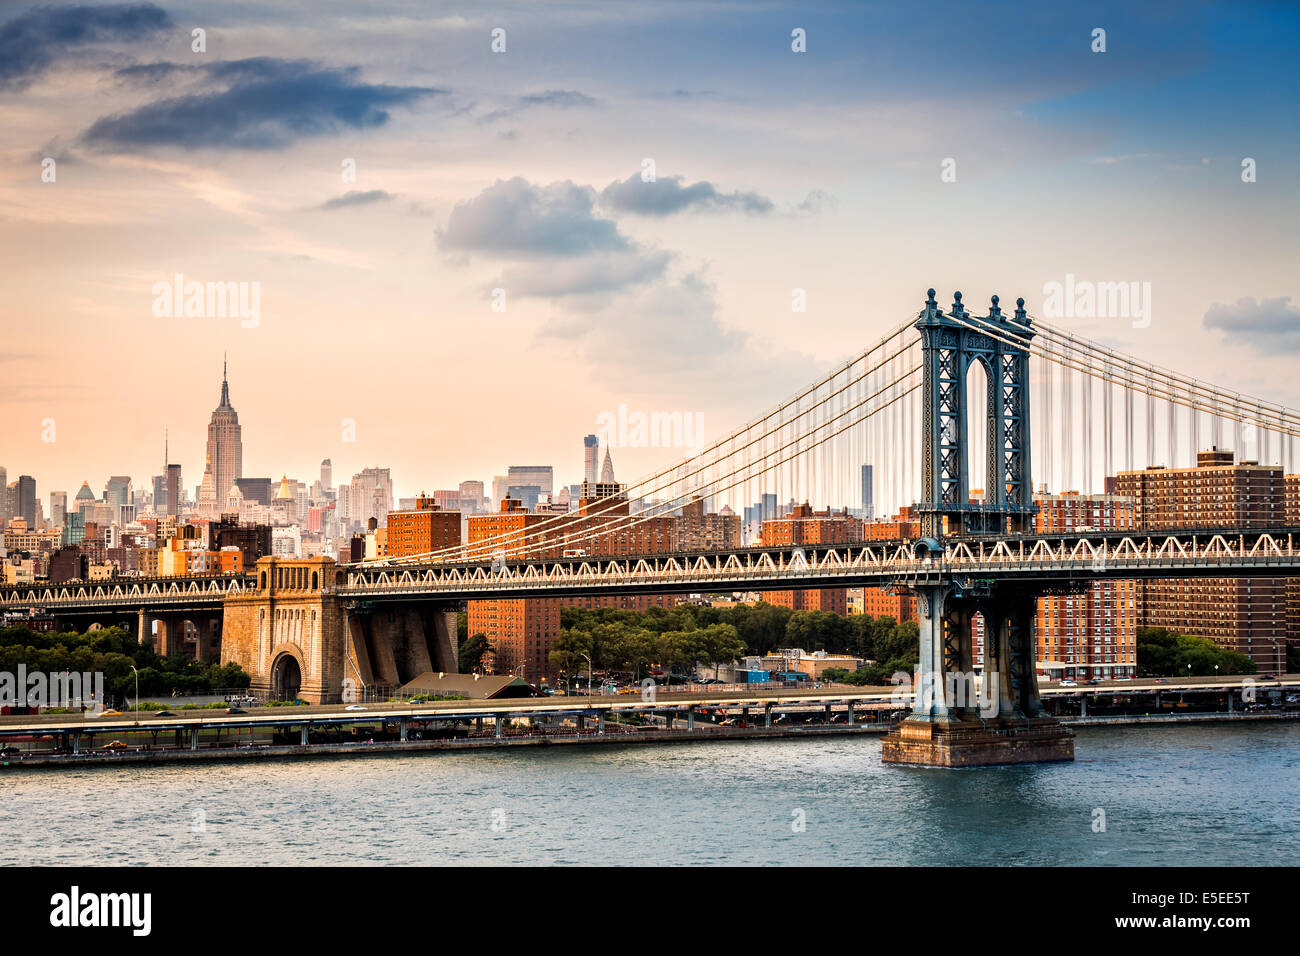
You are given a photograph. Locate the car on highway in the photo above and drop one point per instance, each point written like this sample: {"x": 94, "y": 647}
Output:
{"x": 1068, "y": 683}
{"x": 109, "y": 713}
{"x": 1161, "y": 680}
{"x": 114, "y": 745}
{"x": 236, "y": 710}
{"x": 354, "y": 707}
{"x": 164, "y": 713}
{"x": 10, "y": 752}
{"x": 1269, "y": 677}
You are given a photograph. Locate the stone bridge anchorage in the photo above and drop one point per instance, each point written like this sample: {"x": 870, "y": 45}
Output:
{"x": 297, "y": 636}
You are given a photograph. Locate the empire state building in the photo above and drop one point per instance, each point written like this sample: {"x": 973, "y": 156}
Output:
{"x": 225, "y": 458}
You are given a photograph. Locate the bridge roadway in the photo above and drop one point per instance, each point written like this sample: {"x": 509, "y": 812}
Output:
{"x": 1049, "y": 561}
{"x": 1053, "y": 561}
{"x": 573, "y": 706}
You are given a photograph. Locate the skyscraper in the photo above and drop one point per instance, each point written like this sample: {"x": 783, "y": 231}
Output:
{"x": 607, "y": 469}
{"x": 543, "y": 476}
{"x": 868, "y": 506}
{"x": 25, "y": 500}
{"x": 173, "y": 489}
{"x": 225, "y": 454}
{"x": 326, "y": 474}
{"x": 58, "y": 507}
{"x": 589, "y": 452}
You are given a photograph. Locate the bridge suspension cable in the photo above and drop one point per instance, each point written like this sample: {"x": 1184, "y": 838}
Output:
{"x": 740, "y": 444}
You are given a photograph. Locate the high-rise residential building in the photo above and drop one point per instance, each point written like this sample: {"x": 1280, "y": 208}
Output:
{"x": 4, "y": 497}
{"x": 805, "y": 526}
{"x": 520, "y": 632}
{"x": 590, "y": 448}
{"x": 426, "y": 528}
{"x": 1291, "y": 505}
{"x": 708, "y": 531}
{"x": 1246, "y": 615}
{"x": 868, "y": 503}
{"x": 1092, "y": 634}
{"x": 225, "y": 454}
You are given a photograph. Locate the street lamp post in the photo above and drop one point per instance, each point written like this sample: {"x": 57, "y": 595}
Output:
{"x": 137, "y": 693}
{"x": 589, "y": 669}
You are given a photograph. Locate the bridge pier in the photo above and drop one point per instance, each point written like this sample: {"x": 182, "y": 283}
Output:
{"x": 945, "y": 728}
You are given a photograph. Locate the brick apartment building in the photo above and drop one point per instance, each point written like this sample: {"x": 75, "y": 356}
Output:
{"x": 803, "y": 526}
{"x": 520, "y": 631}
{"x": 1246, "y": 615}
{"x": 429, "y": 527}
{"x": 1093, "y": 634}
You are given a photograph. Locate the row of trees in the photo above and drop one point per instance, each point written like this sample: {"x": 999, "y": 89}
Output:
{"x": 111, "y": 651}
{"x": 1165, "y": 653}
{"x": 682, "y": 637}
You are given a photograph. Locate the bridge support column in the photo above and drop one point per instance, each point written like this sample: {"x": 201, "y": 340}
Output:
{"x": 169, "y": 635}
{"x": 76, "y": 743}
{"x": 500, "y": 724}
{"x": 1009, "y": 725}
{"x": 849, "y": 710}
{"x": 304, "y": 737}
{"x": 690, "y": 718}
{"x": 194, "y": 738}
{"x": 767, "y": 715}
{"x": 600, "y": 722}
{"x": 402, "y": 728}
{"x": 1083, "y": 705}
{"x": 205, "y": 630}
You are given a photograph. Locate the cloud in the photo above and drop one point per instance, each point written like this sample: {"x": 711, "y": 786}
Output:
{"x": 355, "y": 197}
{"x": 816, "y": 201}
{"x": 564, "y": 99}
{"x": 261, "y": 103}
{"x": 517, "y": 220}
{"x": 30, "y": 43}
{"x": 589, "y": 275}
{"x": 666, "y": 196}
{"x": 1269, "y": 326}
{"x": 668, "y": 338}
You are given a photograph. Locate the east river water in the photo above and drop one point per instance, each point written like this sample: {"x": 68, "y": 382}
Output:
{"x": 1209, "y": 795}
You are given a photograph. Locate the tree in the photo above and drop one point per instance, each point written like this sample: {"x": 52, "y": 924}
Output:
{"x": 568, "y": 648}
{"x": 470, "y": 658}
{"x": 1165, "y": 653}
{"x": 719, "y": 643}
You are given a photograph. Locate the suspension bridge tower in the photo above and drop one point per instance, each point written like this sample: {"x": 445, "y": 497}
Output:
{"x": 959, "y": 718}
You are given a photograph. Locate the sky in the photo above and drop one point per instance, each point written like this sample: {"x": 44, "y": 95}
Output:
{"x": 498, "y": 273}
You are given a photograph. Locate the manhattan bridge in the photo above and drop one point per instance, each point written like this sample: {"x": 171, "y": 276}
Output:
{"x": 940, "y": 407}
